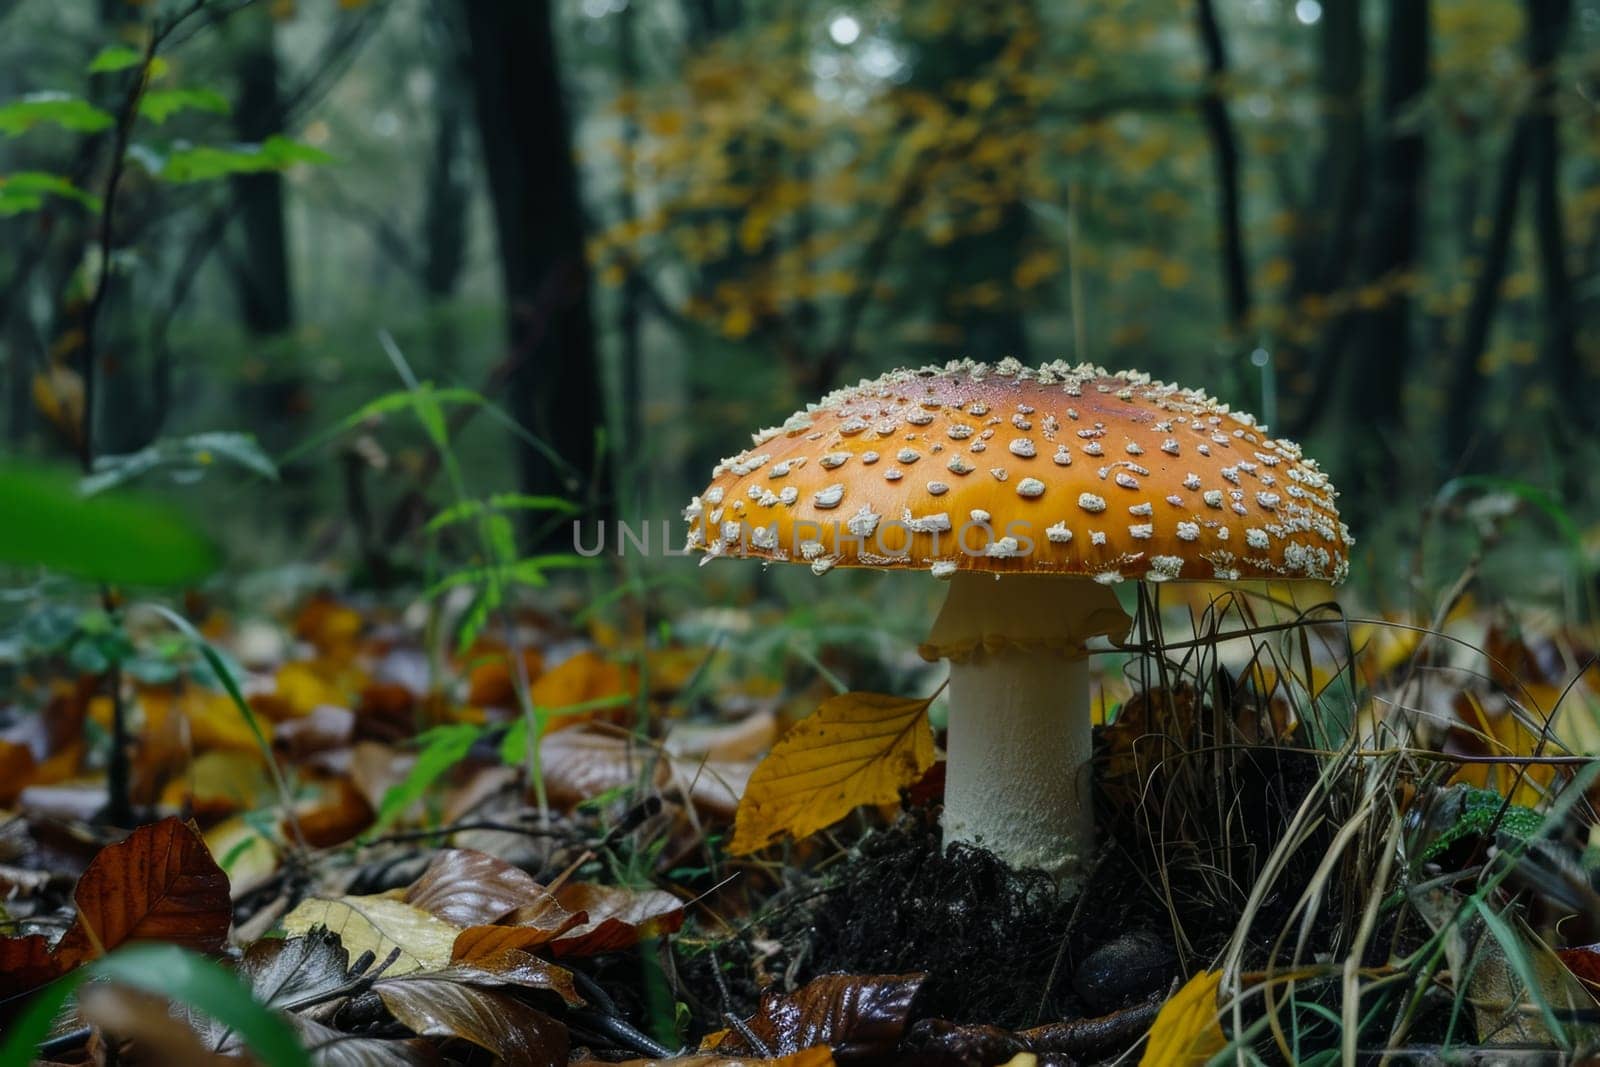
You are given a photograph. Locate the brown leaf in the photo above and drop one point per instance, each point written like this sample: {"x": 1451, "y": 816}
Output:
{"x": 158, "y": 884}
{"x": 857, "y": 1016}
{"x": 490, "y": 684}
{"x": 617, "y": 918}
{"x": 146, "y": 1020}
{"x": 26, "y": 963}
{"x": 505, "y": 1027}
{"x": 582, "y": 763}
{"x": 1583, "y": 961}
{"x": 335, "y": 1048}
{"x": 818, "y": 1056}
{"x": 16, "y": 770}
{"x": 470, "y": 888}
{"x": 511, "y": 967}
{"x": 477, "y": 943}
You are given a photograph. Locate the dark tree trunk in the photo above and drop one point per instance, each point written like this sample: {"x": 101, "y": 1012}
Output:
{"x": 1225, "y": 150}
{"x": 629, "y": 321}
{"x": 527, "y": 148}
{"x": 1466, "y": 379}
{"x": 261, "y": 265}
{"x": 969, "y": 50}
{"x": 258, "y": 252}
{"x": 1383, "y": 337}
{"x": 448, "y": 195}
{"x": 1547, "y": 25}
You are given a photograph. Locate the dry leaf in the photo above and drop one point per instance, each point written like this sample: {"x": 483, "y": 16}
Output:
{"x": 335, "y": 1048}
{"x": 857, "y": 1016}
{"x": 859, "y": 748}
{"x": 158, "y": 884}
{"x": 583, "y": 679}
{"x": 469, "y": 888}
{"x": 519, "y": 1035}
{"x": 380, "y": 924}
{"x": 490, "y": 684}
{"x": 819, "y": 1056}
{"x": 617, "y": 918}
{"x": 1186, "y": 1032}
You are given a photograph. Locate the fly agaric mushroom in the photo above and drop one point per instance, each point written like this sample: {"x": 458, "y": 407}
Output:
{"x": 1032, "y": 491}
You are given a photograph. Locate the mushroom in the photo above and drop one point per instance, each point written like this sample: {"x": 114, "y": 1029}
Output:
{"x": 1032, "y": 491}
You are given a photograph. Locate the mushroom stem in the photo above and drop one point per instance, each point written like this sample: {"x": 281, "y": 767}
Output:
{"x": 1017, "y": 780}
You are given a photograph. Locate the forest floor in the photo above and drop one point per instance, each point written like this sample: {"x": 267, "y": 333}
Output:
{"x": 1320, "y": 837}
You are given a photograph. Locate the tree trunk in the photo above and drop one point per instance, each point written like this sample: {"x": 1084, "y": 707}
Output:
{"x": 1547, "y": 25}
{"x": 1384, "y": 343}
{"x": 527, "y": 149}
{"x": 259, "y": 250}
{"x": 1225, "y": 150}
{"x": 444, "y": 216}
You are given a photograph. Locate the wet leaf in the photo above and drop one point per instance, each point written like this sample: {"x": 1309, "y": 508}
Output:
{"x": 1583, "y": 961}
{"x": 335, "y": 1048}
{"x": 617, "y": 918}
{"x": 1186, "y": 1032}
{"x": 818, "y": 1056}
{"x": 379, "y": 924}
{"x": 856, "y": 1016}
{"x": 158, "y": 884}
{"x": 505, "y": 1027}
{"x": 859, "y": 748}
{"x": 469, "y": 888}
{"x": 477, "y": 943}
{"x": 26, "y": 963}
{"x": 294, "y": 971}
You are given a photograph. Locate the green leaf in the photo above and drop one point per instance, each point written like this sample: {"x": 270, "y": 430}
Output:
{"x": 114, "y": 57}
{"x": 45, "y": 522}
{"x": 187, "y": 458}
{"x": 26, "y": 190}
{"x": 198, "y": 163}
{"x": 469, "y": 509}
{"x": 158, "y": 105}
{"x": 174, "y": 973}
{"x": 442, "y": 748}
{"x": 62, "y": 109}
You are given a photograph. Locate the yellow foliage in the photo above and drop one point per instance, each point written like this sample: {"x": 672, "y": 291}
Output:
{"x": 858, "y": 748}
{"x": 1186, "y": 1033}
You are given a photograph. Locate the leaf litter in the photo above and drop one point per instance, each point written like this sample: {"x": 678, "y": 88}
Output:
{"x": 408, "y": 899}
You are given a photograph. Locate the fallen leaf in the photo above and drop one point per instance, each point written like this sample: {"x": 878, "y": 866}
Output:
{"x": 586, "y": 678}
{"x": 1186, "y": 1033}
{"x": 818, "y": 1056}
{"x": 26, "y": 963}
{"x": 512, "y": 967}
{"x": 1584, "y": 962}
{"x": 858, "y": 748}
{"x": 477, "y": 943}
{"x": 519, "y": 1035}
{"x": 490, "y": 683}
{"x": 145, "y": 1020}
{"x": 469, "y": 888}
{"x": 158, "y": 884}
{"x": 16, "y": 770}
{"x": 335, "y": 1048}
{"x": 857, "y": 1016}
{"x": 617, "y": 918}
{"x": 380, "y": 924}
{"x": 336, "y": 812}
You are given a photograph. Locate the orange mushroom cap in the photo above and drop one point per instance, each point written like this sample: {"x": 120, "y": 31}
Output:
{"x": 1058, "y": 469}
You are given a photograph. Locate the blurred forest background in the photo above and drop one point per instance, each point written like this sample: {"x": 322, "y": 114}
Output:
{"x": 644, "y": 228}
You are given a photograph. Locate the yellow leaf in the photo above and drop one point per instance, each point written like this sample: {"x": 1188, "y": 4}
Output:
{"x": 381, "y": 924}
{"x": 859, "y": 748}
{"x": 1186, "y": 1033}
